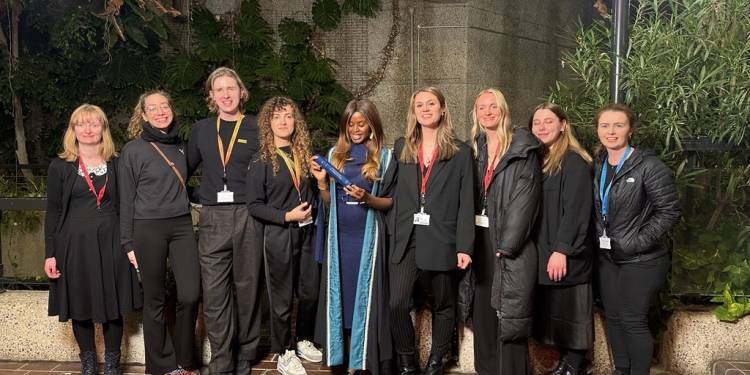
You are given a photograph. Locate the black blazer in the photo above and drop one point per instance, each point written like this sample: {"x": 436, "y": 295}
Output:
{"x": 61, "y": 175}
{"x": 450, "y": 204}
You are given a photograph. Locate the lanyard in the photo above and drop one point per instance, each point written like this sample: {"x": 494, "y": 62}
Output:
{"x": 488, "y": 176}
{"x": 604, "y": 191}
{"x": 225, "y": 157}
{"x": 292, "y": 170}
{"x": 425, "y": 175}
{"x": 98, "y": 196}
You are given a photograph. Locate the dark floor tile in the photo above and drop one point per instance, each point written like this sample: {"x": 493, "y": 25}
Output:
{"x": 742, "y": 365}
{"x": 11, "y": 365}
{"x": 12, "y": 372}
{"x": 135, "y": 369}
{"x": 40, "y": 366}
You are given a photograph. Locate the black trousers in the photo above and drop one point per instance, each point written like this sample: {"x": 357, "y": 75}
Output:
{"x": 492, "y": 356}
{"x": 291, "y": 270}
{"x": 231, "y": 260}
{"x": 403, "y": 278}
{"x": 155, "y": 241}
{"x": 627, "y": 291}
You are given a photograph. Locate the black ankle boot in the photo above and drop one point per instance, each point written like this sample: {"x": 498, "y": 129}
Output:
{"x": 111, "y": 363}
{"x": 88, "y": 363}
{"x": 407, "y": 364}
{"x": 560, "y": 369}
{"x": 434, "y": 365}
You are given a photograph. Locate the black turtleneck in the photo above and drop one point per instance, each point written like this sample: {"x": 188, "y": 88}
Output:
{"x": 148, "y": 187}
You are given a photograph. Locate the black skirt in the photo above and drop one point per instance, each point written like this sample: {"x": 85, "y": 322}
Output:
{"x": 563, "y": 316}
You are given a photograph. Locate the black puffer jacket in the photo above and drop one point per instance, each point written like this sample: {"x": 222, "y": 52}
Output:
{"x": 512, "y": 206}
{"x": 643, "y": 206}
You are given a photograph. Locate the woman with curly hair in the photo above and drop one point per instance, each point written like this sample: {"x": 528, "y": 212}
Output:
{"x": 280, "y": 197}
{"x": 156, "y": 228}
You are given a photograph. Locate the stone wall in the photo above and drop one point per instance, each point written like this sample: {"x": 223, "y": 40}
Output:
{"x": 458, "y": 46}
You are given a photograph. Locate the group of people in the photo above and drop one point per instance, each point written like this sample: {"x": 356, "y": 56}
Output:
{"x": 512, "y": 226}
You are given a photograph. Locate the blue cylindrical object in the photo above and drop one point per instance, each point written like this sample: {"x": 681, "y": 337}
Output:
{"x": 333, "y": 172}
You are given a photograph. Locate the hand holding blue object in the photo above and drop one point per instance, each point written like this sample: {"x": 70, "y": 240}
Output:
{"x": 333, "y": 172}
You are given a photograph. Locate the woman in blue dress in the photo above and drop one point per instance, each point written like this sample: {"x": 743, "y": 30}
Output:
{"x": 352, "y": 312}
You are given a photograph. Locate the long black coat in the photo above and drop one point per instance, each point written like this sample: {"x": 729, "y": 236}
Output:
{"x": 565, "y": 221}
{"x": 450, "y": 203}
{"x": 643, "y": 206}
{"x": 512, "y": 206}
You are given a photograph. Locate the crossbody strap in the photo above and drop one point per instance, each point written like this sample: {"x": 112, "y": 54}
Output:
{"x": 169, "y": 162}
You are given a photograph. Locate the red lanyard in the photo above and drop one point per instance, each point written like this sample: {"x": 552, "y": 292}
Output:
{"x": 98, "y": 196}
{"x": 425, "y": 173}
{"x": 490, "y": 169}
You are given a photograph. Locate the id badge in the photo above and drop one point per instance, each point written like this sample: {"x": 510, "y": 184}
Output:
{"x": 605, "y": 242}
{"x": 305, "y": 222}
{"x": 225, "y": 196}
{"x": 482, "y": 221}
{"x": 421, "y": 218}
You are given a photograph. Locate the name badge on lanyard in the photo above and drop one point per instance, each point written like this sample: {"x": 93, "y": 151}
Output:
{"x": 294, "y": 174}
{"x": 482, "y": 220}
{"x": 604, "y": 241}
{"x": 225, "y": 195}
{"x": 422, "y": 218}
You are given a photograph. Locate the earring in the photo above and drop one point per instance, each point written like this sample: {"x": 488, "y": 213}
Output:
{"x": 372, "y": 135}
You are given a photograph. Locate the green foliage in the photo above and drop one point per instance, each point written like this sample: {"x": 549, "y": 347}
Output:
{"x": 687, "y": 76}
{"x": 733, "y": 305}
{"x": 326, "y": 14}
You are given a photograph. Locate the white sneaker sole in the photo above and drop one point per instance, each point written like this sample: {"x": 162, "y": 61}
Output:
{"x": 313, "y": 360}
{"x": 283, "y": 370}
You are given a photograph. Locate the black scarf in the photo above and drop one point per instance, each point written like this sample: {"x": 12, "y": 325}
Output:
{"x": 152, "y": 134}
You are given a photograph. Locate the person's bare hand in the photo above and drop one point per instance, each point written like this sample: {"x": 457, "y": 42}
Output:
{"x": 300, "y": 213}
{"x": 318, "y": 172}
{"x": 463, "y": 260}
{"x": 131, "y": 258}
{"x": 50, "y": 268}
{"x": 356, "y": 192}
{"x": 557, "y": 266}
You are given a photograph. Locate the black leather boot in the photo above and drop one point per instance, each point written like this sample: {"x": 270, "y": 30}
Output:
{"x": 434, "y": 365}
{"x": 560, "y": 369}
{"x": 407, "y": 364}
{"x": 88, "y": 363}
{"x": 112, "y": 363}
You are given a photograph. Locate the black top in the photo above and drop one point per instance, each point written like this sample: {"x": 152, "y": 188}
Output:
{"x": 449, "y": 202}
{"x": 149, "y": 188}
{"x": 643, "y": 207}
{"x": 564, "y": 223}
{"x": 271, "y": 196}
{"x": 61, "y": 179}
{"x": 203, "y": 151}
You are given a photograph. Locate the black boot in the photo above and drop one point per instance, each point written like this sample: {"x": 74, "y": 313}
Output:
{"x": 111, "y": 363}
{"x": 88, "y": 363}
{"x": 560, "y": 369}
{"x": 407, "y": 364}
{"x": 434, "y": 365}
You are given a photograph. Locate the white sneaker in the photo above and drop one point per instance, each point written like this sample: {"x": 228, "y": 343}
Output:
{"x": 308, "y": 351}
{"x": 289, "y": 364}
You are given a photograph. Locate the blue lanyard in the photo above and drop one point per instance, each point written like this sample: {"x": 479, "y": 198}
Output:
{"x": 604, "y": 192}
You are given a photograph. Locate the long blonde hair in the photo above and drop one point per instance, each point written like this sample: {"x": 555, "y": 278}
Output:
{"x": 300, "y": 138}
{"x": 446, "y": 135}
{"x": 368, "y": 110}
{"x": 554, "y": 154}
{"x": 504, "y": 127}
{"x": 70, "y": 143}
{"x": 135, "y": 126}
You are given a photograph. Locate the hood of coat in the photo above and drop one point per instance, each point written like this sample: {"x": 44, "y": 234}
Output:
{"x": 521, "y": 145}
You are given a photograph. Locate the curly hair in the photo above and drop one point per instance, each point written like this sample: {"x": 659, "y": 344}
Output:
{"x": 300, "y": 138}
{"x": 135, "y": 125}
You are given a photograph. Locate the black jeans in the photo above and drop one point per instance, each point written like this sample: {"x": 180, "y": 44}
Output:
{"x": 627, "y": 291}
{"x": 443, "y": 285}
{"x": 291, "y": 270}
{"x": 155, "y": 240}
{"x": 231, "y": 260}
